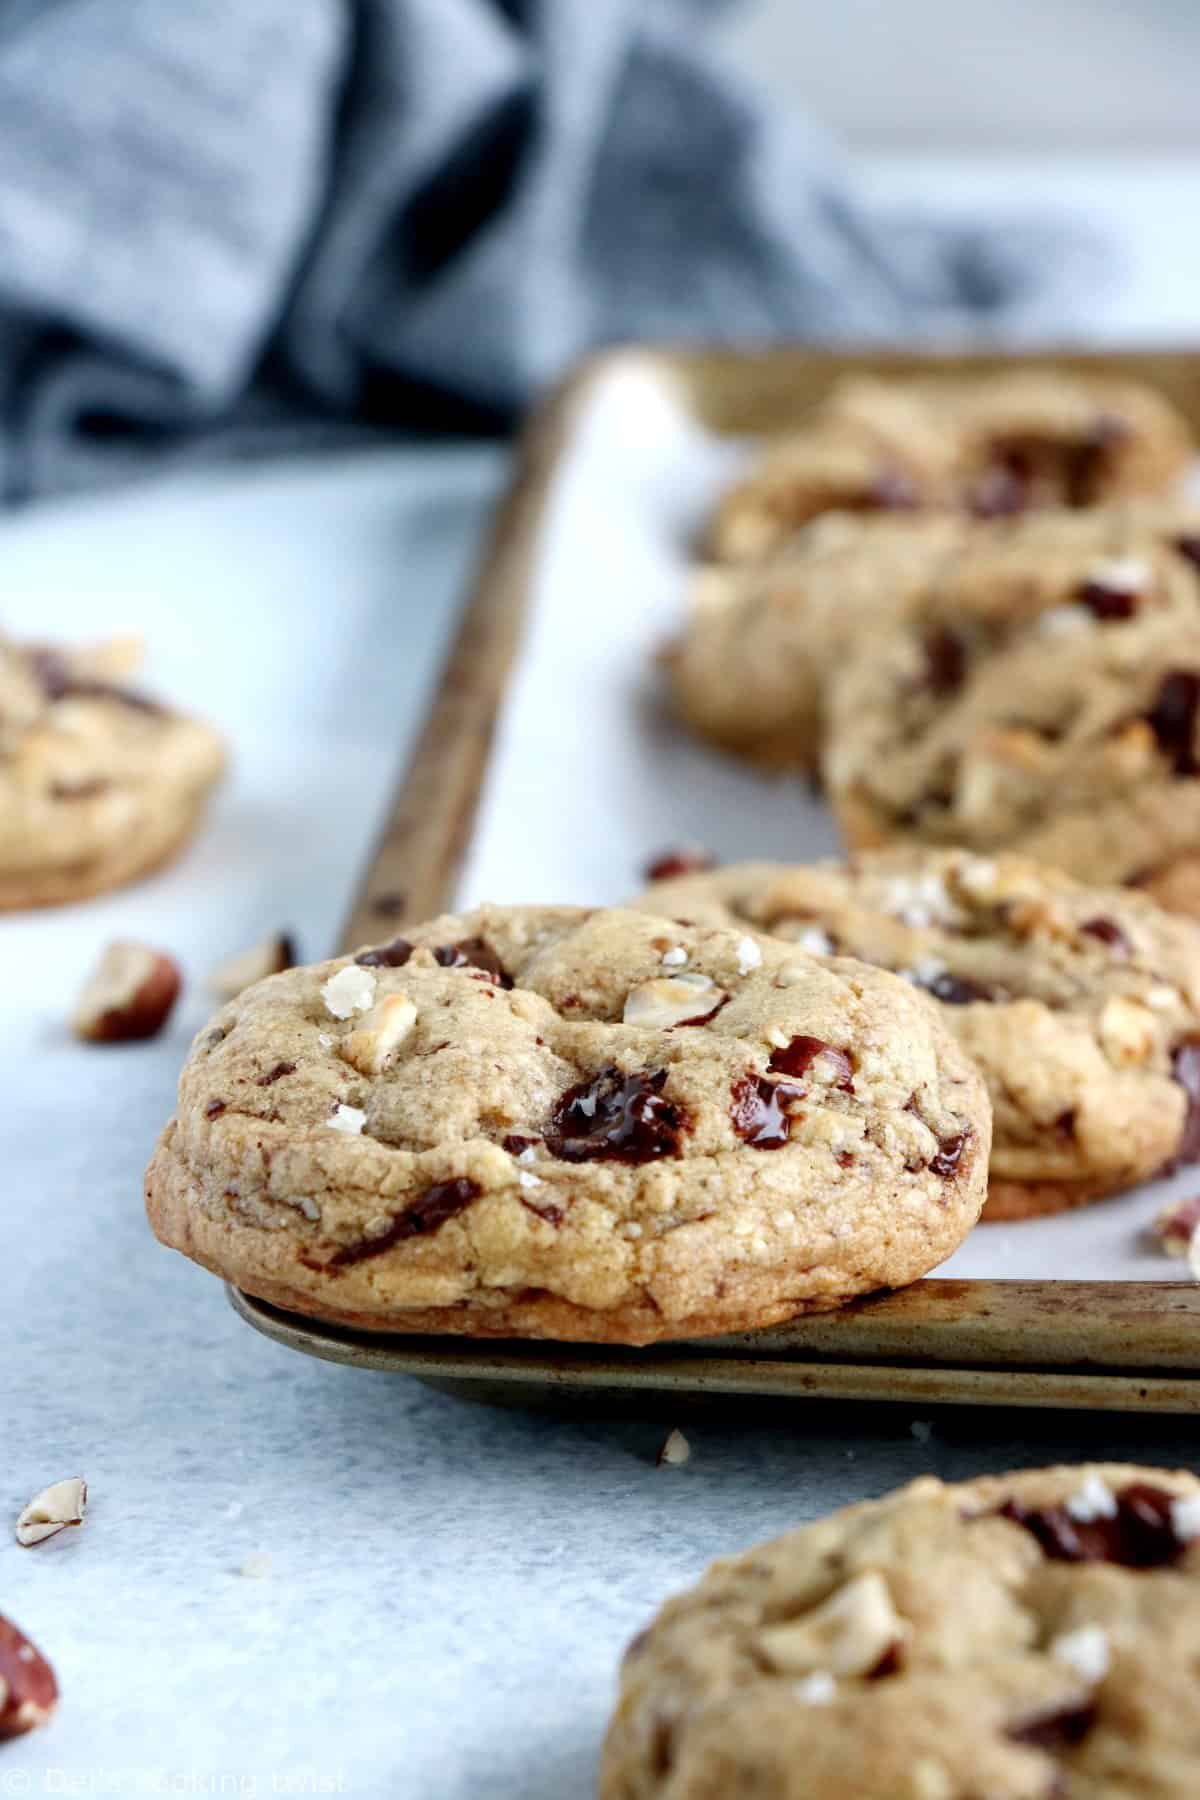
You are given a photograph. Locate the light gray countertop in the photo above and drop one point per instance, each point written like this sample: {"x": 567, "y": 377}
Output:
{"x": 449, "y": 1586}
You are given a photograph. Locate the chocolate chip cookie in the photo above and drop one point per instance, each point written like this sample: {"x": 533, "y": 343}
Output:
{"x": 554, "y": 1122}
{"x": 1023, "y": 1637}
{"x": 98, "y": 783}
{"x": 1041, "y": 698}
{"x": 1080, "y": 1005}
{"x": 988, "y": 444}
{"x": 761, "y": 642}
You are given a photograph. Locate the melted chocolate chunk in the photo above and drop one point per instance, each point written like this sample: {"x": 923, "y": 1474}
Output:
{"x": 1140, "y": 1535}
{"x": 473, "y": 953}
{"x": 550, "y": 1214}
{"x": 214, "y": 1109}
{"x": 949, "y": 1153}
{"x": 1190, "y": 548}
{"x": 426, "y": 1215}
{"x": 386, "y": 956}
{"x": 514, "y": 1143}
{"x": 945, "y": 660}
{"x": 616, "y": 1118}
{"x": 1173, "y": 719}
{"x": 795, "y": 1058}
{"x": 1055, "y": 1731}
{"x": 276, "y": 1074}
{"x": 758, "y": 1110}
{"x": 1064, "y": 1126}
{"x": 1106, "y": 603}
{"x": 670, "y": 863}
{"x": 956, "y": 990}
{"x": 1107, "y": 931}
{"x": 1085, "y": 463}
{"x": 1185, "y": 1067}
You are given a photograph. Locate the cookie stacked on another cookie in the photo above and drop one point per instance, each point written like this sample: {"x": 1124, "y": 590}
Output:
{"x": 98, "y": 783}
{"x": 986, "y": 444}
{"x": 1043, "y": 697}
{"x": 540, "y": 1121}
{"x": 1081, "y": 1006}
{"x": 1023, "y": 1637}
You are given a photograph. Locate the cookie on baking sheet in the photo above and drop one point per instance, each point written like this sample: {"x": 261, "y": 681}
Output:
{"x": 1032, "y": 1636}
{"x": 98, "y": 783}
{"x": 553, "y": 1122}
{"x": 761, "y": 642}
{"x": 990, "y": 444}
{"x": 1080, "y": 1005}
{"x": 1052, "y": 712}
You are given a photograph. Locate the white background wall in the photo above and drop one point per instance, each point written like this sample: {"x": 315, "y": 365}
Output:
{"x": 983, "y": 74}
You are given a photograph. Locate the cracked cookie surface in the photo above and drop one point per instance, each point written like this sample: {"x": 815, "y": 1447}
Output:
{"x": 1080, "y": 1005}
{"x": 98, "y": 784}
{"x": 556, "y": 1122}
{"x": 1031, "y": 1636}
{"x": 1045, "y": 699}
{"x": 988, "y": 444}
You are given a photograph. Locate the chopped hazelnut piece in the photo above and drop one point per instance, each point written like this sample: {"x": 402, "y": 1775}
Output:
{"x": 675, "y": 1451}
{"x": 851, "y": 1633}
{"x": 28, "y": 1689}
{"x": 129, "y": 996}
{"x": 233, "y": 976}
{"x": 684, "y": 999}
{"x": 53, "y": 1510}
{"x": 375, "y": 1043}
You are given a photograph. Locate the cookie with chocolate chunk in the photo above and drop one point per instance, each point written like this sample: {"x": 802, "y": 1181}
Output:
{"x": 761, "y": 643}
{"x": 553, "y": 1122}
{"x": 989, "y": 445}
{"x": 1080, "y": 1005}
{"x": 98, "y": 783}
{"x": 1023, "y": 1636}
{"x": 1043, "y": 698}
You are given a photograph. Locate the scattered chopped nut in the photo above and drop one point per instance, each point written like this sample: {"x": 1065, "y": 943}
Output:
{"x": 384, "y": 1029}
{"x": 28, "y": 1689}
{"x": 256, "y": 1567}
{"x": 1126, "y": 1030}
{"x": 850, "y": 1634}
{"x": 675, "y": 1451}
{"x": 128, "y": 997}
{"x": 1094, "y": 1500}
{"x": 236, "y": 973}
{"x": 749, "y": 956}
{"x": 1085, "y": 1650}
{"x": 53, "y": 1510}
{"x": 349, "y": 1119}
{"x": 350, "y": 991}
{"x": 1175, "y": 1226}
{"x": 684, "y": 999}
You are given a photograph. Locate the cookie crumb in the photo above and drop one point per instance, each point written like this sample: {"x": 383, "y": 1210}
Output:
{"x": 675, "y": 1451}
{"x": 351, "y": 990}
{"x": 1085, "y": 1650}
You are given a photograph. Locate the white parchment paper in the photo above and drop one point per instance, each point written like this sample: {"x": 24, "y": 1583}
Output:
{"x": 589, "y": 777}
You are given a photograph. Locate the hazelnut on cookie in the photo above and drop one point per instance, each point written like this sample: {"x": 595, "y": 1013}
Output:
{"x": 99, "y": 784}
{"x": 1022, "y": 1636}
{"x": 1080, "y": 1005}
{"x": 555, "y": 1122}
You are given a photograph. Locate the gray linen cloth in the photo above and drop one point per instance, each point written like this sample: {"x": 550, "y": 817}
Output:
{"x": 228, "y": 225}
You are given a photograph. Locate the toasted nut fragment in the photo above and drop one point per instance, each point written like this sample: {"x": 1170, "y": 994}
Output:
{"x": 1126, "y": 1030}
{"x": 384, "y": 1029}
{"x": 669, "y": 1000}
{"x": 28, "y": 1689}
{"x": 849, "y": 1635}
{"x": 56, "y": 1507}
{"x": 231, "y": 977}
{"x": 675, "y": 1450}
{"x": 129, "y": 996}
{"x": 1176, "y": 1225}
